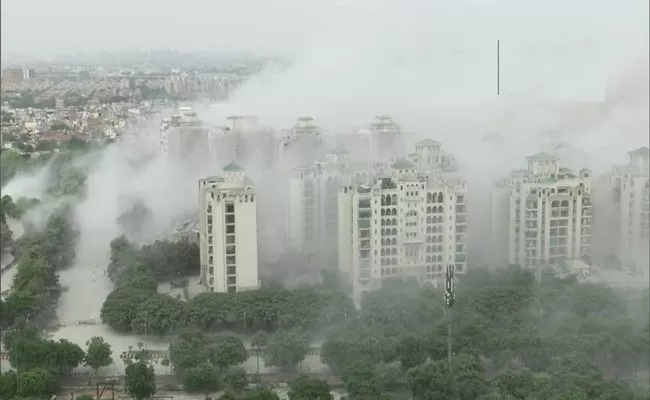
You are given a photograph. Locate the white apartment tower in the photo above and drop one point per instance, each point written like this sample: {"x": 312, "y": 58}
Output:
{"x": 387, "y": 139}
{"x": 228, "y": 231}
{"x": 405, "y": 225}
{"x": 301, "y": 144}
{"x": 541, "y": 216}
{"x": 312, "y": 223}
{"x": 623, "y": 201}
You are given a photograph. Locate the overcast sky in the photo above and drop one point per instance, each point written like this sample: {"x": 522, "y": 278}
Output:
{"x": 291, "y": 26}
{"x": 363, "y": 51}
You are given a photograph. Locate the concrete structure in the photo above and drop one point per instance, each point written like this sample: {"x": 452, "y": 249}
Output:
{"x": 185, "y": 137}
{"x": 244, "y": 141}
{"x": 28, "y": 73}
{"x": 301, "y": 144}
{"x": 312, "y": 209}
{"x": 387, "y": 139}
{"x": 407, "y": 224}
{"x": 228, "y": 231}
{"x": 622, "y": 198}
{"x": 541, "y": 216}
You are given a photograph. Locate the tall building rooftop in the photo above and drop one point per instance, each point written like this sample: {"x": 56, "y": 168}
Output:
{"x": 232, "y": 167}
{"x": 543, "y": 157}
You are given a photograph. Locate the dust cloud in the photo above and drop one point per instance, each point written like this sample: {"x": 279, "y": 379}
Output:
{"x": 432, "y": 67}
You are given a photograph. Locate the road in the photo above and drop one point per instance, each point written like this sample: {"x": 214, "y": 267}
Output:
{"x": 83, "y": 383}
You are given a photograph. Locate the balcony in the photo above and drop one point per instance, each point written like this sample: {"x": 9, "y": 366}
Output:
{"x": 364, "y": 223}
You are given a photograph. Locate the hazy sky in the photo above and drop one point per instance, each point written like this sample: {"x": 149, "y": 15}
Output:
{"x": 292, "y": 26}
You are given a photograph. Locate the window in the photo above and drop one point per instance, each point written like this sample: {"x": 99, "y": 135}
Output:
{"x": 230, "y": 260}
{"x": 231, "y": 270}
{"x": 232, "y": 280}
{"x": 230, "y": 208}
{"x": 232, "y": 289}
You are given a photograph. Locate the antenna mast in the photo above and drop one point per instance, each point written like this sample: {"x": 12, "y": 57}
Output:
{"x": 498, "y": 69}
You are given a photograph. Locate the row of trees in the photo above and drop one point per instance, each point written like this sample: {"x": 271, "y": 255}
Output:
{"x": 66, "y": 177}
{"x": 35, "y": 287}
{"x": 208, "y": 363}
{"x": 6, "y": 235}
{"x": 136, "y": 300}
{"x": 163, "y": 260}
{"x": 512, "y": 338}
{"x": 40, "y": 363}
{"x": 16, "y": 210}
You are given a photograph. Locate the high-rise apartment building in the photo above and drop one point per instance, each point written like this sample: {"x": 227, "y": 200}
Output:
{"x": 185, "y": 138}
{"x": 301, "y": 144}
{"x": 312, "y": 209}
{"x": 622, "y": 224}
{"x": 387, "y": 139}
{"x": 228, "y": 231}
{"x": 542, "y": 216}
{"x": 244, "y": 140}
{"x": 407, "y": 224}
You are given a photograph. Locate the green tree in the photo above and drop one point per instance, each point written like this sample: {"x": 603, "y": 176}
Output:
{"x": 8, "y": 385}
{"x": 122, "y": 306}
{"x": 188, "y": 350}
{"x": 227, "y": 350}
{"x": 159, "y": 314}
{"x": 236, "y": 379}
{"x": 259, "y": 341}
{"x": 306, "y": 387}
{"x": 362, "y": 381}
{"x": 432, "y": 380}
{"x": 260, "y": 394}
{"x": 68, "y": 356}
{"x": 76, "y": 144}
{"x": 58, "y": 126}
{"x": 46, "y": 145}
{"x": 139, "y": 380}
{"x": 36, "y": 382}
{"x": 411, "y": 351}
{"x": 286, "y": 349}
{"x": 98, "y": 353}
{"x": 202, "y": 378}
{"x": 228, "y": 396}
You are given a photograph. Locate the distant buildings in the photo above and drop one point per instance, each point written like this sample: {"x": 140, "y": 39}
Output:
{"x": 624, "y": 211}
{"x": 228, "y": 231}
{"x": 542, "y": 216}
{"x": 410, "y": 223}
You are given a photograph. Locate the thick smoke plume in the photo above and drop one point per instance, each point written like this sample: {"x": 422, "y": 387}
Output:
{"x": 572, "y": 89}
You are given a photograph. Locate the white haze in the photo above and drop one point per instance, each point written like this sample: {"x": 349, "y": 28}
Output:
{"x": 395, "y": 57}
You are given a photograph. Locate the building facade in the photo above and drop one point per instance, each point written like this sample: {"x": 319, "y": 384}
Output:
{"x": 228, "y": 232}
{"x": 184, "y": 138}
{"x": 408, "y": 224}
{"x": 542, "y": 216}
{"x": 312, "y": 207}
{"x": 624, "y": 212}
{"x": 302, "y": 144}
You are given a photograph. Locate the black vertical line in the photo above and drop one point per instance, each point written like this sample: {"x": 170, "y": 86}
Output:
{"x": 498, "y": 69}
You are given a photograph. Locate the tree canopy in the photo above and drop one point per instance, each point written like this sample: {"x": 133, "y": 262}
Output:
{"x": 512, "y": 339}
